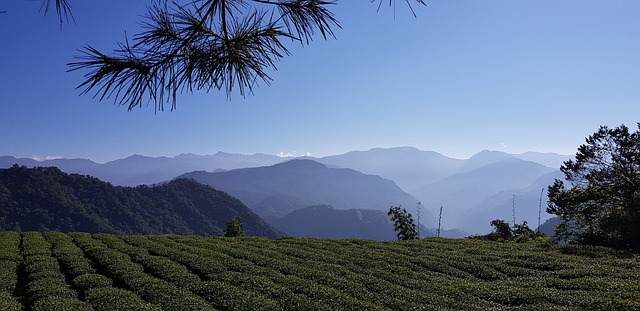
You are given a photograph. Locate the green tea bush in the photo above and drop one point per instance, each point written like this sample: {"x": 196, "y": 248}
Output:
{"x": 9, "y": 303}
{"x": 33, "y": 243}
{"x": 173, "y": 272}
{"x": 55, "y": 303}
{"x": 89, "y": 281}
{"x": 8, "y": 276}
{"x": 118, "y": 244}
{"x": 43, "y": 288}
{"x": 165, "y": 294}
{"x": 592, "y": 251}
{"x": 10, "y": 246}
{"x": 168, "y": 270}
{"x": 45, "y": 274}
{"x": 227, "y": 297}
{"x": 109, "y": 299}
{"x": 69, "y": 255}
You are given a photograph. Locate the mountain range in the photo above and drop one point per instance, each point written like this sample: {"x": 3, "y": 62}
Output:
{"x": 471, "y": 191}
{"x": 45, "y": 198}
{"x": 141, "y": 170}
{"x": 274, "y": 191}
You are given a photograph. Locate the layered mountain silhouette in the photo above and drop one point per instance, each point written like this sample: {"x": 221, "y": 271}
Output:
{"x": 324, "y": 221}
{"x": 274, "y": 191}
{"x": 409, "y": 167}
{"x": 42, "y": 199}
{"x": 473, "y": 191}
{"x": 139, "y": 170}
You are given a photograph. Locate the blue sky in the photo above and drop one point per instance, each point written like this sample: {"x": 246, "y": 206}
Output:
{"x": 464, "y": 76}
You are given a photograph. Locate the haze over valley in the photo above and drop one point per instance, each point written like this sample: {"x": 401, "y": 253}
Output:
{"x": 363, "y": 184}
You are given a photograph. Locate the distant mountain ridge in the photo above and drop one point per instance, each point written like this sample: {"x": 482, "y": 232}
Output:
{"x": 324, "y": 221}
{"x": 302, "y": 183}
{"x": 140, "y": 170}
{"x": 43, "y": 199}
{"x": 471, "y": 190}
{"x": 409, "y": 167}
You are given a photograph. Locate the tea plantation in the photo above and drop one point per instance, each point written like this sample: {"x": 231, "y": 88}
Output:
{"x": 81, "y": 271}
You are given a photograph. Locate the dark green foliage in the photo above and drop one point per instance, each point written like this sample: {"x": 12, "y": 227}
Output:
{"x": 602, "y": 205}
{"x": 55, "y": 303}
{"x": 49, "y": 287}
{"x": 8, "y": 276}
{"x": 124, "y": 270}
{"x": 502, "y": 231}
{"x": 10, "y": 246}
{"x": 234, "y": 227}
{"x": 165, "y": 294}
{"x": 87, "y": 282}
{"x": 109, "y": 298}
{"x": 164, "y": 272}
{"x": 44, "y": 199}
{"x": 70, "y": 256}
{"x": 403, "y": 223}
{"x": 9, "y": 303}
{"x": 227, "y": 297}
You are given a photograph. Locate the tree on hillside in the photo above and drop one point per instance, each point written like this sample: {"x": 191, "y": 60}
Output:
{"x": 201, "y": 45}
{"x": 234, "y": 227}
{"x": 602, "y": 204}
{"x": 521, "y": 230}
{"x": 502, "y": 229}
{"x": 403, "y": 223}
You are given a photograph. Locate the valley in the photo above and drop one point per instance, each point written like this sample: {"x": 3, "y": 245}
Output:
{"x": 490, "y": 185}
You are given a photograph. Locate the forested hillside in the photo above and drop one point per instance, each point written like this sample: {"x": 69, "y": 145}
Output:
{"x": 41, "y": 199}
{"x": 82, "y": 272}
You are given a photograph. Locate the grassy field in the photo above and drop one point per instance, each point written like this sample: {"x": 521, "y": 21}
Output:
{"x": 79, "y": 271}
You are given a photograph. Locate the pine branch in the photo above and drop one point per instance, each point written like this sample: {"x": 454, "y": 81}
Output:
{"x": 62, "y": 7}
{"x": 225, "y": 45}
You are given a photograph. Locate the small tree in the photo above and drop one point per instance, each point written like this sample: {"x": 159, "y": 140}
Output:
{"x": 523, "y": 230}
{"x": 403, "y": 223}
{"x": 234, "y": 227}
{"x": 502, "y": 229}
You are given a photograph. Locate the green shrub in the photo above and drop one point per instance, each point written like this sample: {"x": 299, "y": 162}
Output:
{"x": 9, "y": 303}
{"x": 109, "y": 298}
{"x": 46, "y": 274}
{"x": 168, "y": 270}
{"x": 33, "y": 243}
{"x": 592, "y": 251}
{"x": 165, "y": 294}
{"x": 70, "y": 256}
{"x": 8, "y": 276}
{"x": 60, "y": 304}
{"x": 90, "y": 281}
{"x": 226, "y": 297}
{"x": 10, "y": 246}
{"x": 37, "y": 259}
{"x": 49, "y": 287}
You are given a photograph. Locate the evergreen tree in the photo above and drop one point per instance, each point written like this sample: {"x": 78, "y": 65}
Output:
{"x": 602, "y": 204}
